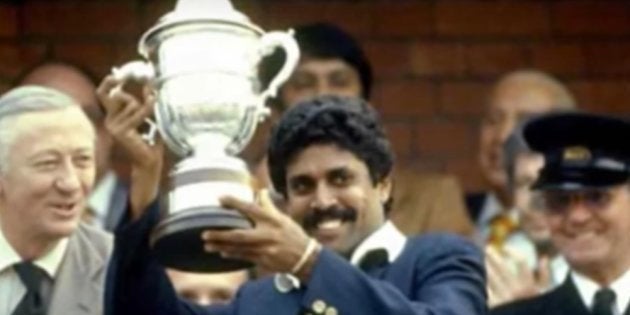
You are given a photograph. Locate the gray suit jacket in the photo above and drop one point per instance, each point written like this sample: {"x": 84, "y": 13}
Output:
{"x": 79, "y": 286}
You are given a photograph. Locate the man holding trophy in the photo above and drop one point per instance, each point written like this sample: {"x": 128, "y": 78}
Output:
{"x": 333, "y": 252}
{"x": 331, "y": 160}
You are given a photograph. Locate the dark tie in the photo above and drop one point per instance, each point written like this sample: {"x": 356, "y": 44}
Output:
{"x": 33, "y": 302}
{"x": 603, "y": 302}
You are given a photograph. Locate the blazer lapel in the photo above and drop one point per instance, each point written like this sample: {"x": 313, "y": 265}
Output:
{"x": 401, "y": 270}
{"x": 79, "y": 286}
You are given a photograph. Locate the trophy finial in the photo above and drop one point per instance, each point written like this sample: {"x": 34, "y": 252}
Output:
{"x": 203, "y": 7}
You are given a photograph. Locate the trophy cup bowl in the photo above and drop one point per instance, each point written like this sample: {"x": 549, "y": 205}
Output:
{"x": 202, "y": 63}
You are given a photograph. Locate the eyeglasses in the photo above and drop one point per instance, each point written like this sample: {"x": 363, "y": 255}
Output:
{"x": 559, "y": 201}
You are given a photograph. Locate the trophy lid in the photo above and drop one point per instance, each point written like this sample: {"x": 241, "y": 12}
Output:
{"x": 204, "y": 9}
{"x": 197, "y": 11}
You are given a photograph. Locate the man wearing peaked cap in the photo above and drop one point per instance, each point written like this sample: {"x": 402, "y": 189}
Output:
{"x": 584, "y": 192}
{"x": 581, "y": 150}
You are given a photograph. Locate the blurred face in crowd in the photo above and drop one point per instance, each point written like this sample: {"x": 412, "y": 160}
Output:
{"x": 511, "y": 102}
{"x": 591, "y": 228}
{"x": 315, "y": 77}
{"x": 532, "y": 220}
{"x": 48, "y": 173}
{"x": 330, "y": 192}
{"x": 312, "y": 77}
{"x": 207, "y": 288}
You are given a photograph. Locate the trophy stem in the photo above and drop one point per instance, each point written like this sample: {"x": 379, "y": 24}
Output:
{"x": 177, "y": 242}
{"x": 198, "y": 183}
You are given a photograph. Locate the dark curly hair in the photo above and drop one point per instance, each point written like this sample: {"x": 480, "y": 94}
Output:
{"x": 350, "y": 123}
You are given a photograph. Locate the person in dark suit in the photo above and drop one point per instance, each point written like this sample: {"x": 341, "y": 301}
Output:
{"x": 516, "y": 96}
{"x": 583, "y": 189}
{"x": 333, "y": 252}
{"x": 50, "y": 261}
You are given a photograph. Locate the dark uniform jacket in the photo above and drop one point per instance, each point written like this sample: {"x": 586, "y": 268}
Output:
{"x": 435, "y": 274}
{"x": 563, "y": 300}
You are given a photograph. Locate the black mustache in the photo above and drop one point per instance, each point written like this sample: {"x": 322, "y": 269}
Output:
{"x": 312, "y": 219}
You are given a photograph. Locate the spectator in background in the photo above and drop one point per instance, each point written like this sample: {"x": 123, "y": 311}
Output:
{"x": 207, "y": 288}
{"x": 527, "y": 264}
{"x": 332, "y": 62}
{"x": 50, "y": 262}
{"x": 585, "y": 198}
{"x": 515, "y": 97}
{"x": 107, "y": 201}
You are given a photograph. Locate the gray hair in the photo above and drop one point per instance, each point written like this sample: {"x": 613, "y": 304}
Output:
{"x": 22, "y": 100}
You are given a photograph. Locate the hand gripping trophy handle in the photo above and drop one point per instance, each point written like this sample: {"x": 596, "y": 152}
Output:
{"x": 138, "y": 71}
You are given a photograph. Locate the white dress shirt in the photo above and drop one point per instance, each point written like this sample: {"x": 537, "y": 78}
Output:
{"x": 387, "y": 237}
{"x": 12, "y": 289}
{"x": 587, "y": 289}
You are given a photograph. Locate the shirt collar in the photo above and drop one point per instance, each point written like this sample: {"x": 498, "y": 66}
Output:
{"x": 8, "y": 256}
{"x": 387, "y": 237}
{"x": 559, "y": 270}
{"x": 100, "y": 197}
{"x": 50, "y": 262}
{"x": 587, "y": 289}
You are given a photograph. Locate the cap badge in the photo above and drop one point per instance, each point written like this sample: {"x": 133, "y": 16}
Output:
{"x": 576, "y": 153}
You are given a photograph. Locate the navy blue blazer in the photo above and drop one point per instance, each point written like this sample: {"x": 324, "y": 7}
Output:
{"x": 435, "y": 274}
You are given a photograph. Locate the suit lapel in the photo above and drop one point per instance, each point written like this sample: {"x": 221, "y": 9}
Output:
{"x": 78, "y": 286}
{"x": 567, "y": 299}
{"x": 400, "y": 271}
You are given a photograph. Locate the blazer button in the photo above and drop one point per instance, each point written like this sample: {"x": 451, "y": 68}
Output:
{"x": 331, "y": 311}
{"x": 318, "y": 306}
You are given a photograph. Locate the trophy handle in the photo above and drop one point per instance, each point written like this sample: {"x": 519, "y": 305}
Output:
{"x": 284, "y": 40}
{"x": 134, "y": 70}
{"x": 142, "y": 72}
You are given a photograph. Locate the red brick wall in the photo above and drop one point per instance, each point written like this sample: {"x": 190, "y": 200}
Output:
{"x": 434, "y": 59}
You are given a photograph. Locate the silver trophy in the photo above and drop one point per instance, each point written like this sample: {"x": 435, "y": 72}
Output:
{"x": 202, "y": 61}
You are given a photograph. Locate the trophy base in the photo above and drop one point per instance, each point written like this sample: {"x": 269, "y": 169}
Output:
{"x": 177, "y": 243}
